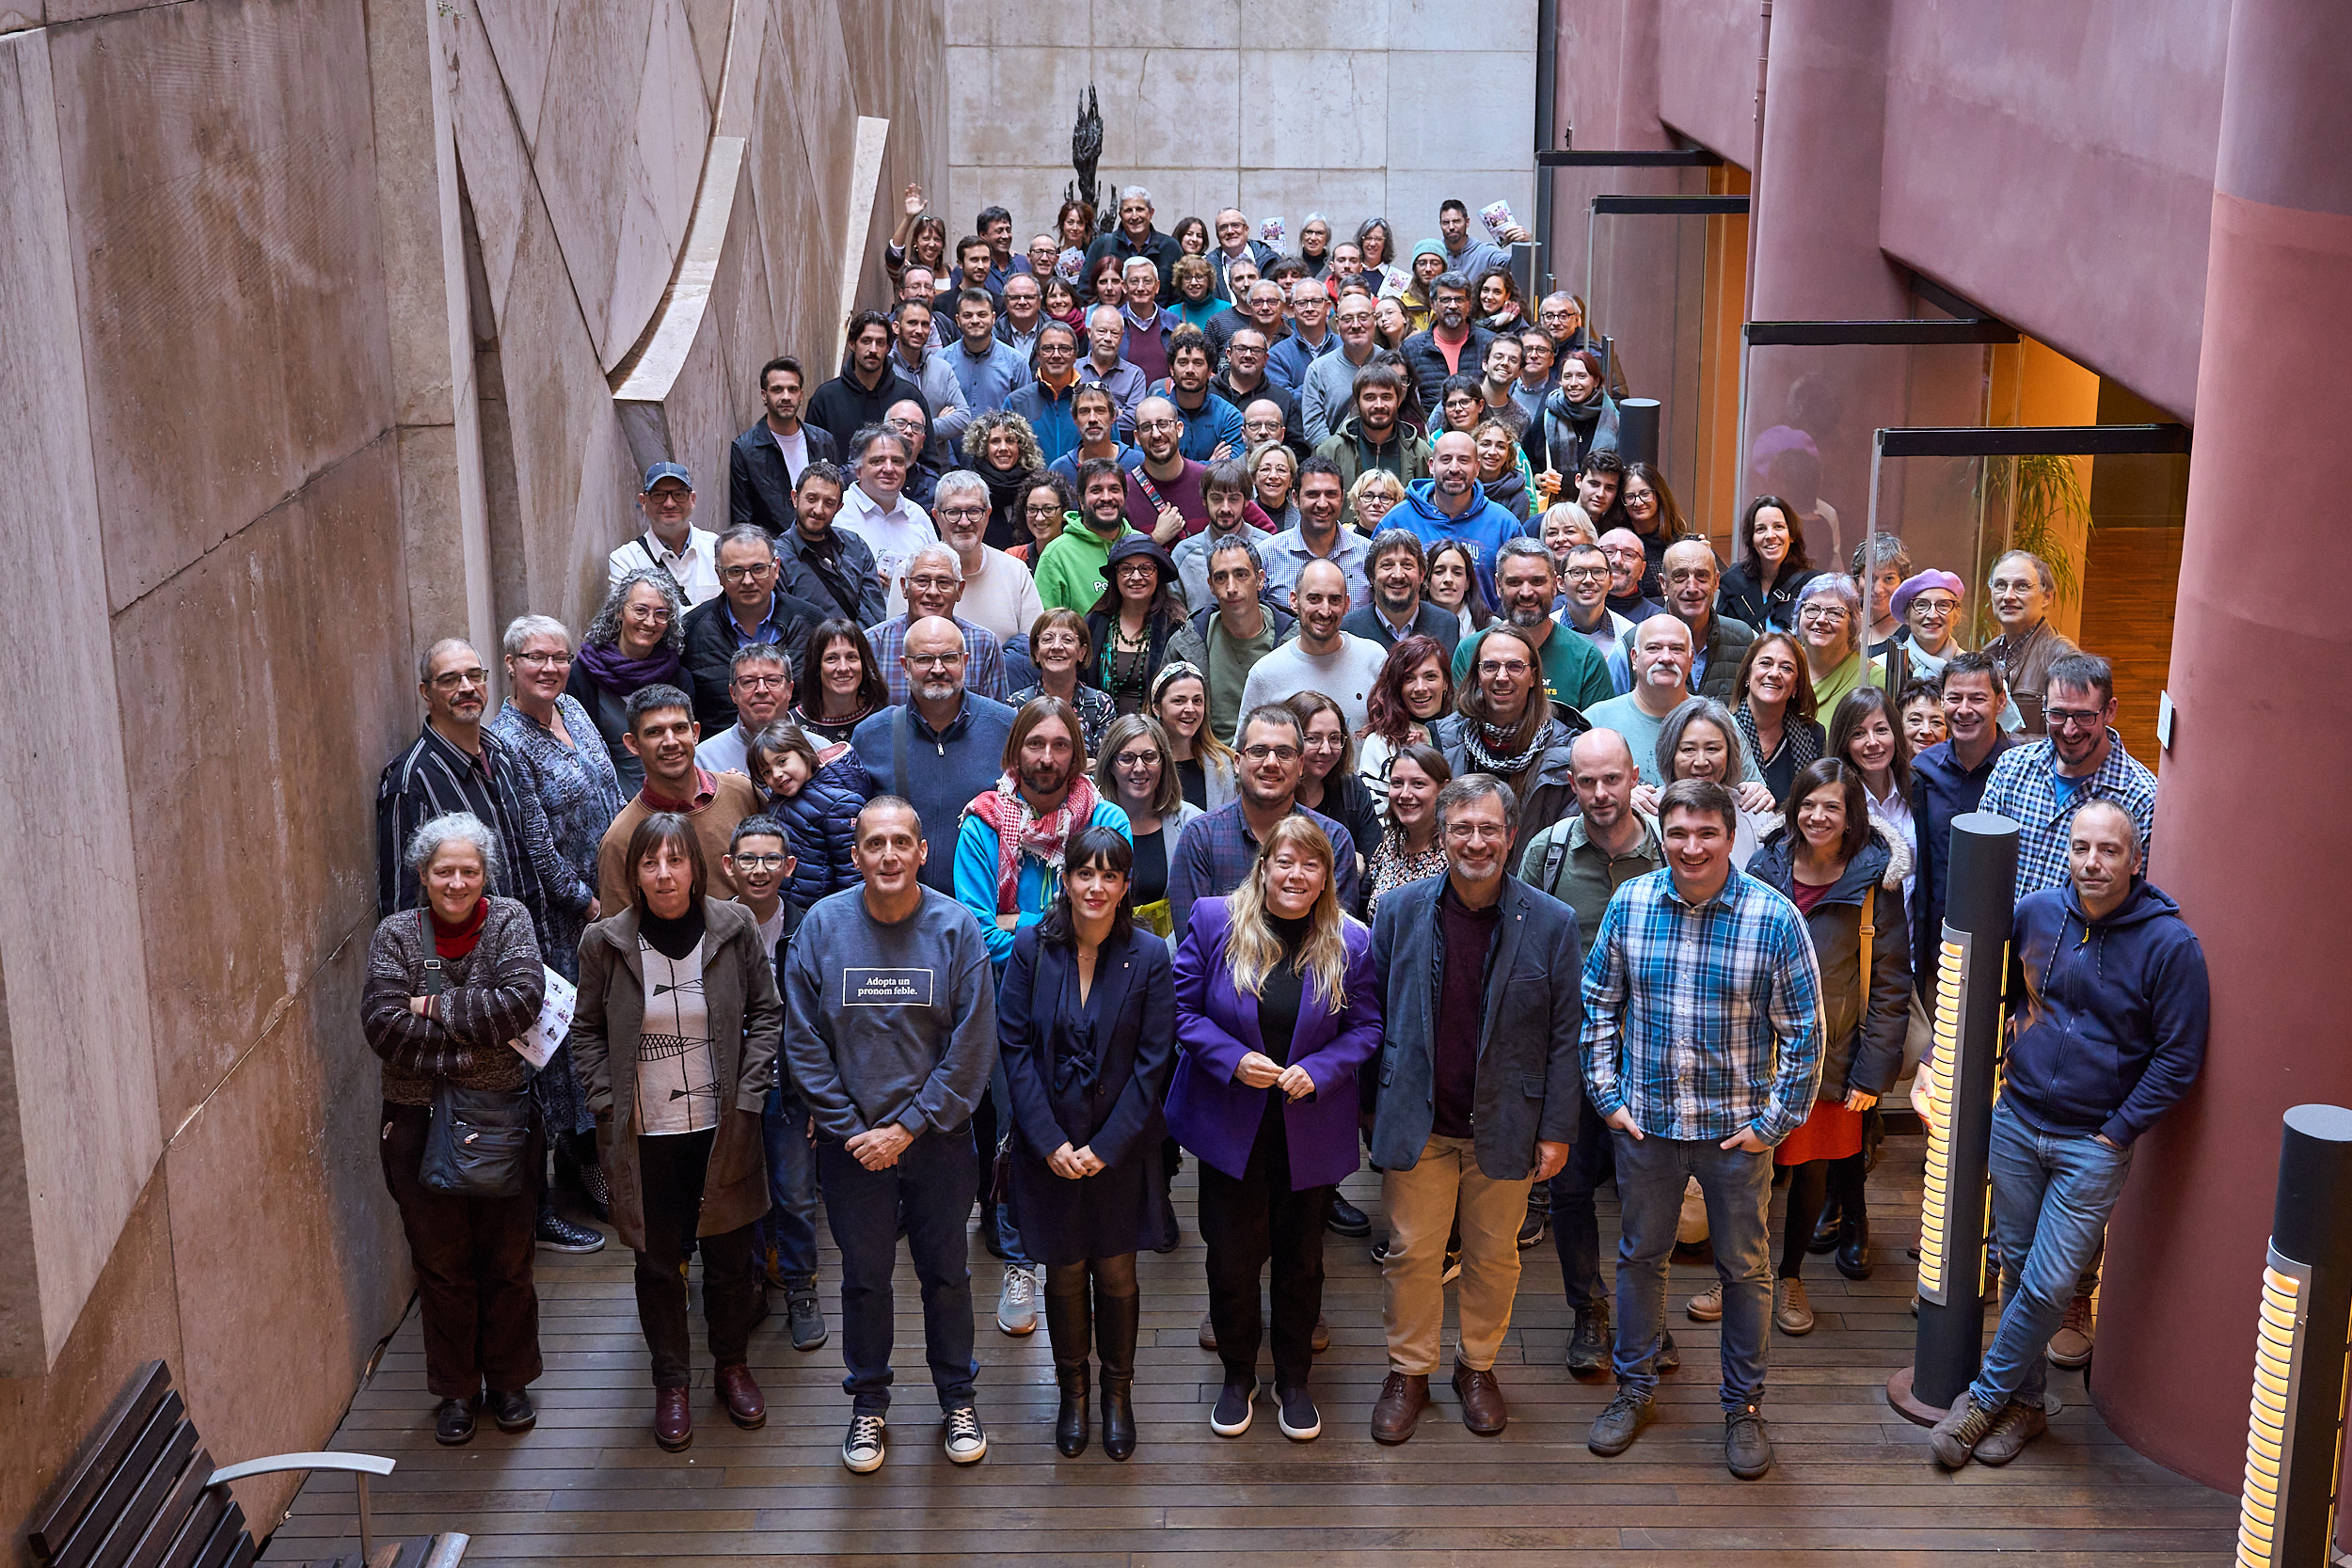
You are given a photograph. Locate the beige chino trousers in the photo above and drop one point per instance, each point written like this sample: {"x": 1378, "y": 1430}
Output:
{"x": 1421, "y": 1205}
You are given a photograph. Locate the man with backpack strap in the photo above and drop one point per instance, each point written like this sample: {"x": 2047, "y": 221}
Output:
{"x": 1582, "y": 860}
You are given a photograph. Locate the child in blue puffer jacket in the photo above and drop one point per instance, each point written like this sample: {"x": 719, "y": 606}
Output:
{"x": 817, "y": 798}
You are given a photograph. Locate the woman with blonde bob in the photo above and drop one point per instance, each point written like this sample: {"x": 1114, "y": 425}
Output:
{"x": 1277, "y": 1009}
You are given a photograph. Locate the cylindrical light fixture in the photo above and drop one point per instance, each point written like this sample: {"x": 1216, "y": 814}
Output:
{"x": 1955, "y": 1210}
{"x": 2295, "y": 1436}
{"x": 1637, "y": 429}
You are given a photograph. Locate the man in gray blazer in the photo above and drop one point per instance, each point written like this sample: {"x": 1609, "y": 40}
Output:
{"x": 1477, "y": 1095}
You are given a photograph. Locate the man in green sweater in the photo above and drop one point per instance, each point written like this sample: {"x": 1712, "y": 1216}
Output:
{"x": 1071, "y": 573}
{"x": 1527, "y": 580}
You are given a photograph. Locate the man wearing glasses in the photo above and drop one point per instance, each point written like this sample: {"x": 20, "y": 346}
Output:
{"x": 759, "y": 689}
{"x": 1164, "y": 490}
{"x": 2020, "y": 590}
{"x": 1050, "y": 402}
{"x": 942, "y": 745}
{"x": 1585, "y": 583}
{"x": 751, "y": 610}
{"x": 998, "y": 592}
{"x": 671, "y": 542}
{"x": 929, "y": 588}
{"x": 1218, "y": 850}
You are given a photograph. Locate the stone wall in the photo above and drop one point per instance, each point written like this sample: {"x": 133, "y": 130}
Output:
{"x": 1347, "y": 107}
{"x": 311, "y": 320}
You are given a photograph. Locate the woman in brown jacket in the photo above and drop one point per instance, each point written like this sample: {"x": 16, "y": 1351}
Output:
{"x": 675, "y": 1041}
{"x": 448, "y": 986}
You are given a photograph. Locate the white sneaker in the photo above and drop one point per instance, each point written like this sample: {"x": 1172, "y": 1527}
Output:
{"x": 966, "y": 1443}
{"x": 1016, "y": 1309}
{"x": 861, "y": 1450}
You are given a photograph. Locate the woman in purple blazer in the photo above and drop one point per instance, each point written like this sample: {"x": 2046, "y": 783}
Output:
{"x": 1264, "y": 1094}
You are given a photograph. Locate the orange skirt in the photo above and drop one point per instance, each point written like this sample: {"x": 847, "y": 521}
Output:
{"x": 1831, "y": 1132}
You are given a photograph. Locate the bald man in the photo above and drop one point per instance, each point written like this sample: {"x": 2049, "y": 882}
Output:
{"x": 941, "y": 746}
{"x": 1322, "y": 657}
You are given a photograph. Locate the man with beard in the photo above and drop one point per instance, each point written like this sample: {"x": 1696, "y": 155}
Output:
{"x": 1503, "y": 727}
{"x": 1396, "y": 611}
{"x": 662, "y": 734}
{"x": 830, "y": 568}
{"x": 1218, "y": 850}
{"x": 1322, "y": 657}
{"x": 765, "y": 465}
{"x": 1225, "y": 640}
{"x": 1010, "y": 836}
{"x": 1718, "y": 642}
{"x": 1225, "y": 491}
{"x": 1072, "y": 570}
{"x": 1527, "y": 583}
{"x": 1212, "y": 425}
{"x": 1478, "y": 1097}
{"x": 941, "y": 746}
{"x": 1374, "y": 435}
{"x": 862, "y": 394}
{"x": 1628, "y": 563}
{"x": 930, "y": 587}
{"x": 1452, "y": 504}
{"x": 1452, "y": 344}
{"x": 1164, "y": 490}
{"x": 1095, "y": 415}
{"x": 1322, "y": 498}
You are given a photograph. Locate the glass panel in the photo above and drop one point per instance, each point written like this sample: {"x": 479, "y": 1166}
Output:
{"x": 1944, "y": 513}
{"x": 1648, "y": 306}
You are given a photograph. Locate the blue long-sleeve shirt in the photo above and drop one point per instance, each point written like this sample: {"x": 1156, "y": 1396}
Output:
{"x": 1035, "y": 884}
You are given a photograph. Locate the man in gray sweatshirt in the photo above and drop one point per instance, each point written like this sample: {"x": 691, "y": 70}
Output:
{"x": 890, "y": 1026}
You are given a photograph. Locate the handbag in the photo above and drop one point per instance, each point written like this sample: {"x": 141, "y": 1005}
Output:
{"x": 475, "y": 1139}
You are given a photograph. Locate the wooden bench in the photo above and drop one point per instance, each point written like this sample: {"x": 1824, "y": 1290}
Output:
{"x": 144, "y": 1494}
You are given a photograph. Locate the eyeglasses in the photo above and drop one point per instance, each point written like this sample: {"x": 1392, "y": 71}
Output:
{"x": 653, "y": 615}
{"x": 671, "y": 498}
{"x": 1278, "y": 753}
{"x": 1046, "y": 509}
{"x": 1138, "y": 569}
{"x": 1493, "y": 667}
{"x": 1585, "y": 573}
{"x": 1136, "y": 759}
{"x": 930, "y": 583}
{"x": 1937, "y": 605}
{"x": 1826, "y": 614}
{"x": 747, "y": 573}
{"x": 967, "y": 513}
{"x": 449, "y": 680}
{"x": 543, "y": 661}
{"x": 1465, "y": 833}
{"x": 1158, "y": 424}
{"x": 761, "y": 863}
{"x": 761, "y": 683}
{"x": 933, "y": 661}
{"x": 2074, "y": 719}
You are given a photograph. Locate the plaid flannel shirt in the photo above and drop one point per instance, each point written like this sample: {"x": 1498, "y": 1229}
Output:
{"x": 1703, "y": 1019}
{"x": 2023, "y": 788}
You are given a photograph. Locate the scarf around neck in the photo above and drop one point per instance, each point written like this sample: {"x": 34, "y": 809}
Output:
{"x": 1021, "y": 831}
{"x": 617, "y": 672}
{"x": 1485, "y": 745}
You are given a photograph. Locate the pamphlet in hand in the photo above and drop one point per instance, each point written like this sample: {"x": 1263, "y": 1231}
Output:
{"x": 1497, "y": 217}
{"x": 540, "y": 1041}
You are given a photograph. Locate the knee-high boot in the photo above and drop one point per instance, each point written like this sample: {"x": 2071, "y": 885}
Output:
{"x": 1117, "y": 1320}
{"x": 1067, "y": 1327}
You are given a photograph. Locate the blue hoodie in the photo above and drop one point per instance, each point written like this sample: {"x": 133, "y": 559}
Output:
{"x": 2116, "y": 1013}
{"x": 1485, "y": 527}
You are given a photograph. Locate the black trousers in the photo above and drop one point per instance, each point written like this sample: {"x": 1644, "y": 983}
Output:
{"x": 1246, "y": 1223}
{"x": 670, "y": 1178}
{"x": 476, "y": 1296}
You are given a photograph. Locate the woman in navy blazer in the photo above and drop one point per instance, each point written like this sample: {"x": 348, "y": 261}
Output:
{"x": 1087, "y": 1024}
{"x": 1277, "y": 1006}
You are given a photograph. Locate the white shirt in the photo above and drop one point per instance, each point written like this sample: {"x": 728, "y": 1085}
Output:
{"x": 1002, "y": 596}
{"x": 795, "y": 449}
{"x": 1345, "y": 676}
{"x": 694, "y": 569}
{"x": 893, "y": 535}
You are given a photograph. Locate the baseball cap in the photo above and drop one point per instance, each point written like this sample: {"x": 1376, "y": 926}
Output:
{"x": 660, "y": 471}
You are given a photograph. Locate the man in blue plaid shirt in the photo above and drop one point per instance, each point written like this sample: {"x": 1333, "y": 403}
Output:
{"x": 1703, "y": 1048}
{"x": 2040, "y": 784}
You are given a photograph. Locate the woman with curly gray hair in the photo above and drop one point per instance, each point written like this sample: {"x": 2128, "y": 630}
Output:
{"x": 634, "y": 641}
{"x": 1002, "y": 449}
{"x": 448, "y": 985}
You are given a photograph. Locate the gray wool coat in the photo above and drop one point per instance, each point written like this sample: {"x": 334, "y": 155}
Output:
{"x": 746, "y": 1020}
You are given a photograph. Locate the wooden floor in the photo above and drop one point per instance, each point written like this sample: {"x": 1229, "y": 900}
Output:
{"x": 589, "y": 1486}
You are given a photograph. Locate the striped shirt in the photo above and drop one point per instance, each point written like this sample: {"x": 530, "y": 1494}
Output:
{"x": 434, "y": 778}
{"x": 2025, "y": 788}
{"x": 1702, "y": 1020}
{"x": 983, "y": 656}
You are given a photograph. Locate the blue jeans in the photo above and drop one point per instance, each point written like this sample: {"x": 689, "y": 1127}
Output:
{"x": 1575, "y": 1222}
{"x": 932, "y": 1184}
{"x": 2051, "y": 1196}
{"x": 789, "y": 1225}
{"x": 1651, "y": 1173}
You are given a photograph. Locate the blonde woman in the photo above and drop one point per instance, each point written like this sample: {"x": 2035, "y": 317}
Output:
{"x": 1375, "y": 494}
{"x": 1277, "y": 1007}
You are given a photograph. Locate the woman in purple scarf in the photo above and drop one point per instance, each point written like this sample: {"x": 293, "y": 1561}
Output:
{"x": 634, "y": 641}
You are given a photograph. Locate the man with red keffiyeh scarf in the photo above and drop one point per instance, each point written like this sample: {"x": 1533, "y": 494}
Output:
{"x": 1008, "y": 850}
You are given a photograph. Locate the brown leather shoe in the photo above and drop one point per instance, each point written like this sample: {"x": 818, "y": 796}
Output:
{"x": 673, "y": 1421}
{"x": 1403, "y": 1397}
{"x": 1483, "y": 1410}
{"x": 741, "y": 1395}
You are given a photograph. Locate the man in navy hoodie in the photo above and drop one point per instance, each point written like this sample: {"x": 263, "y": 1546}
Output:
{"x": 2111, "y": 1034}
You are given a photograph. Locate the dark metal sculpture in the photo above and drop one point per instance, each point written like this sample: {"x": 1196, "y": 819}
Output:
{"x": 1085, "y": 151}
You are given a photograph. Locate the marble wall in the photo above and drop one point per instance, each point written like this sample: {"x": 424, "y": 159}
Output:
{"x": 1347, "y": 107}
{"x": 311, "y": 322}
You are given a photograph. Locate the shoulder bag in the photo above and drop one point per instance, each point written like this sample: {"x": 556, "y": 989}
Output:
{"x": 475, "y": 1140}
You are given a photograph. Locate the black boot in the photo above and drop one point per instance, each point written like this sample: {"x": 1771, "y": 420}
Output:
{"x": 1067, "y": 1327}
{"x": 1118, "y": 1318}
{"x": 1826, "y": 1229}
{"x": 1854, "y": 1260}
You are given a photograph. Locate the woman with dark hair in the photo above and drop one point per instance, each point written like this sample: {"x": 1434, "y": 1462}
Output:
{"x": 1061, "y": 646}
{"x": 814, "y": 796}
{"x": 1761, "y": 586}
{"x": 1461, "y": 405}
{"x": 448, "y": 984}
{"x": 1204, "y": 765}
{"x": 1134, "y": 772}
{"x": 1074, "y": 226}
{"x": 1844, "y": 873}
{"x": 1500, "y": 307}
{"x": 1047, "y": 508}
{"x": 1650, "y": 512}
{"x": 1390, "y": 323}
{"x": 1409, "y": 847}
{"x": 1414, "y": 691}
{"x": 637, "y": 640}
{"x": 1327, "y": 780}
{"x": 1866, "y": 734}
{"x": 1377, "y": 242}
{"x": 1775, "y": 713}
{"x": 1700, "y": 741}
{"x": 1453, "y": 584}
{"x": 1277, "y": 1007}
{"x": 1191, "y": 236}
{"x": 843, "y": 684}
{"x": 675, "y": 1038}
{"x": 1579, "y": 415}
{"x": 1002, "y": 449}
{"x": 919, "y": 240}
{"x": 1062, "y": 303}
{"x": 1085, "y": 1021}
{"x": 1502, "y": 470}
{"x": 1133, "y": 621}
{"x": 1106, "y": 284}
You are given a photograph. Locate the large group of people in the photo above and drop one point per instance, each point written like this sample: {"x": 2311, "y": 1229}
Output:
{"x": 1163, "y": 697}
